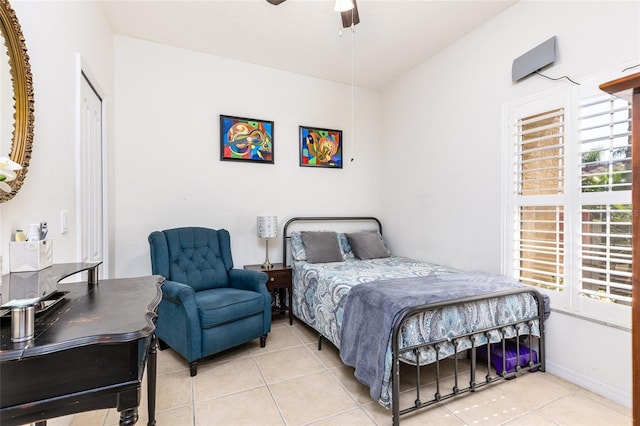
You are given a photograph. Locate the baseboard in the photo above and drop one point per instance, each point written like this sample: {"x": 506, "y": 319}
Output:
{"x": 607, "y": 391}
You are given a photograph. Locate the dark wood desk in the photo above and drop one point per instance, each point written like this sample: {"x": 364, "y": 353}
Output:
{"x": 89, "y": 352}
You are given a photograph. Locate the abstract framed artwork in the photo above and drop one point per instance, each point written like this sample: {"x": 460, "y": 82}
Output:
{"x": 320, "y": 147}
{"x": 246, "y": 139}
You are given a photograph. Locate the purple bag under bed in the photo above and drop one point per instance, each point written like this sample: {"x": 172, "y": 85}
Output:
{"x": 510, "y": 355}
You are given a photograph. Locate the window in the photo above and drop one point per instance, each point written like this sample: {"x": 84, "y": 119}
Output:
{"x": 540, "y": 151}
{"x": 539, "y": 159}
{"x": 540, "y": 245}
{"x": 605, "y": 199}
{"x": 568, "y": 207}
{"x": 605, "y": 254}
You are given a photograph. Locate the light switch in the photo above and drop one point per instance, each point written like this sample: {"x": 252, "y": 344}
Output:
{"x": 63, "y": 221}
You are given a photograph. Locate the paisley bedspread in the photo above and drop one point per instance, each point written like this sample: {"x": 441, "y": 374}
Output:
{"x": 319, "y": 295}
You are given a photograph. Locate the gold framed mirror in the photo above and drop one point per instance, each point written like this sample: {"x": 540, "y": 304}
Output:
{"x": 22, "y": 86}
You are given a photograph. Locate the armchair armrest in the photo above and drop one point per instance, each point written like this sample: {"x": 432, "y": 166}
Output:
{"x": 184, "y": 296}
{"x": 178, "y": 321}
{"x": 179, "y": 293}
{"x": 245, "y": 279}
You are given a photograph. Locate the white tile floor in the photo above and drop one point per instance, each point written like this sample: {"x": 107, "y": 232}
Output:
{"x": 290, "y": 382}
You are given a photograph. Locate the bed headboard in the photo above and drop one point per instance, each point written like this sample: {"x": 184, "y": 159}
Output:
{"x": 319, "y": 220}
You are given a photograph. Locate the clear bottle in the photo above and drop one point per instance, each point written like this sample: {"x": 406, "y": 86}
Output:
{"x": 34, "y": 232}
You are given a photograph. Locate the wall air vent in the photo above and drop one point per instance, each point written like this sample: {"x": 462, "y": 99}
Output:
{"x": 534, "y": 60}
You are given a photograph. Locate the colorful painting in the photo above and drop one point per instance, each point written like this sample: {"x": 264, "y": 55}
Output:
{"x": 320, "y": 147}
{"x": 246, "y": 139}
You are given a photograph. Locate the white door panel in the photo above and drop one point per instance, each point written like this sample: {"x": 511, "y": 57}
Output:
{"x": 90, "y": 171}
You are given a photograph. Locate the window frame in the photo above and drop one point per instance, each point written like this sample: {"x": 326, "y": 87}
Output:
{"x": 568, "y": 97}
{"x": 542, "y": 102}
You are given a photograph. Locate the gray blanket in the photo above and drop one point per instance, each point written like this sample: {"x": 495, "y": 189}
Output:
{"x": 372, "y": 308}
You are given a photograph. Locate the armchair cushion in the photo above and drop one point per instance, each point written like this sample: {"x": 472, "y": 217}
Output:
{"x": 223, "y": 305}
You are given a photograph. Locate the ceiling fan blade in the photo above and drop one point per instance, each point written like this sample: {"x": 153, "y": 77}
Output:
{"x": 350, "y": 17}
{"x": 276, "y": 2}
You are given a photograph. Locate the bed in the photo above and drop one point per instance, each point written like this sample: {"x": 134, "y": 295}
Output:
{"x": 381, "y": 310}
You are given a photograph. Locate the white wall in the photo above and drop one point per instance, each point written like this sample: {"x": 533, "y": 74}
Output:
{"x": 55, "y": 32}
{"x": 169, "y": 171}
{"x": 442, "y": 137}
{"x": 426, "y": 157}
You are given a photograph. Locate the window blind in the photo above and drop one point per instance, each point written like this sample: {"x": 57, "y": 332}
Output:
{"x": 605, "y": 199}
{"x": 605, "y": 144}
{"x": 540, "y": 154}
{"x": 539, "y": 257}
{"x": 539, "y": 252}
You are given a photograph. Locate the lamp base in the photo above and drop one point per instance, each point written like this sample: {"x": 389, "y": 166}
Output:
{"x": 267, "y": 264}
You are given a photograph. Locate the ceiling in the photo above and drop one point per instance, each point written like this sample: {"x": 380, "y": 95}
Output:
{"x": 305, "y": 36}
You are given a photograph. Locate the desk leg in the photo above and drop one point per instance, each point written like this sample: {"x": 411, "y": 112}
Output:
{"x": 129, "y": 417}
{"x": 151, "y": 380}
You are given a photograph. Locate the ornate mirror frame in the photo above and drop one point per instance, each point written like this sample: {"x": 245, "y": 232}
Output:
{"x": 22, "y": 140}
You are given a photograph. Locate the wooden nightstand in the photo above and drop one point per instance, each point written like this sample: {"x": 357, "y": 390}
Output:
{"x": 280, "y": 278}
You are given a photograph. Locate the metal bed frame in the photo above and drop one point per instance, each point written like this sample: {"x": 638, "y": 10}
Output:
{"x": 287, "y": 237}
{"x": 534, "y": 343}
{"x": 473, "y": 384}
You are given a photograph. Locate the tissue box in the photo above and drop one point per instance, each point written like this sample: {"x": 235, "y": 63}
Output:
{"x": 30, "y": 255}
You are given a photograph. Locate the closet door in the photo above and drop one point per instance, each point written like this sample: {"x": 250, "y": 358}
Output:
{"x": 90, "y": 185}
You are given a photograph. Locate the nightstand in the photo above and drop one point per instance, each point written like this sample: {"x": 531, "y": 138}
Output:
{"x": 280, "y": 278}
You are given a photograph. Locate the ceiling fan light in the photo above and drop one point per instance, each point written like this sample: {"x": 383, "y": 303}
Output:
{"x": 343, "y": 5}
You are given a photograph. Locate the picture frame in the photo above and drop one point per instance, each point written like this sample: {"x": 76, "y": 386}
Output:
{"x": 320, "y": 147}
{"x": 246, "y": 139}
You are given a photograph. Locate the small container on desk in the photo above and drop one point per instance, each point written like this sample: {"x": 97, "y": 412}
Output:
{"x": 27, "y": 256}
{"x": 280, "y": 278}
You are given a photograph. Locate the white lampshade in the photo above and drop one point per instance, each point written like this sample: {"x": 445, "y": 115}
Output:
{"x": 343, "y": 5}
{"x": 267, "y": 226}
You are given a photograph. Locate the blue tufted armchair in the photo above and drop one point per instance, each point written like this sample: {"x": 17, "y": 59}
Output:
{"x": 207, "y": 306}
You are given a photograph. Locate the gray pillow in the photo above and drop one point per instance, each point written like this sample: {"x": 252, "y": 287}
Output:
{"x": 367, "y": 245}
{"x": 321, "y": 246}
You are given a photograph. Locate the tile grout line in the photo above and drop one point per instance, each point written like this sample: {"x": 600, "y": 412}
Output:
{"x": 284, "y": 421}
{"x": 193, "y": 400}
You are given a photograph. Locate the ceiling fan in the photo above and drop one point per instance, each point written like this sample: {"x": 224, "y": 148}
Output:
{"x": 348, "y": 11}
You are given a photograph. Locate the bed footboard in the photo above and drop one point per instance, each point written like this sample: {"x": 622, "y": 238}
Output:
{"x": 533, "y": 355}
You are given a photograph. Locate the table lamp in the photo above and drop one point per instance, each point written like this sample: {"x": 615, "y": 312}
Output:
{"x": 267, "y": 228}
